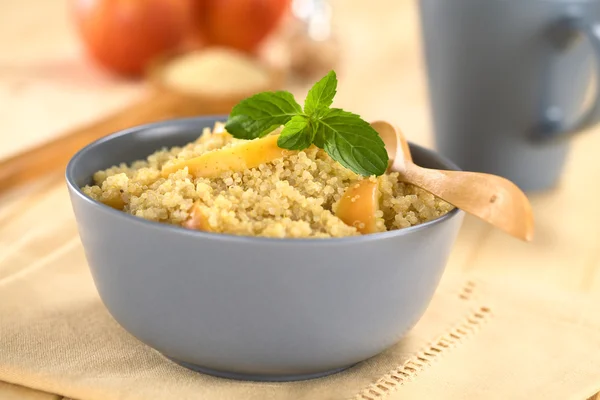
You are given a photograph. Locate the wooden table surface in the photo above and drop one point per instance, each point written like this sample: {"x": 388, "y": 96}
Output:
{"x": 46, "y": 87}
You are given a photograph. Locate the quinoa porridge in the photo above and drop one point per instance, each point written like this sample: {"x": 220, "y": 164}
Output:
{"x": 296, "y": 195}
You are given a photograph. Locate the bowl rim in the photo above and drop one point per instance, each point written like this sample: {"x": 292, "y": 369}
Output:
{"x": 178, "y": 230}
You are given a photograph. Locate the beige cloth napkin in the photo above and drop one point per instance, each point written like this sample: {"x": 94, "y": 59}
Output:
{"x": 477, "y": 340}
{"x": 8, "y": 391}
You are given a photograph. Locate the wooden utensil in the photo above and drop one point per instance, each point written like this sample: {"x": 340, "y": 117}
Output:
{"x": 161, "y": 103}
{"x": 394, "y": 140}
{"x": 491, "y": 198}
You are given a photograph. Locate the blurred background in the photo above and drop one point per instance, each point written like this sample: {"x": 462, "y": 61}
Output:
{"x": 91, "y": 67}
{"x": 66, "y": 62}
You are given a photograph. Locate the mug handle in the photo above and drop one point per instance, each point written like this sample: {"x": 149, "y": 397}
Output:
{"x": 565, "y": 31}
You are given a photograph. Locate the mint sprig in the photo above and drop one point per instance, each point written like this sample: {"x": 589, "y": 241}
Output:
{"x": 297, "y": 134}
{"x": 258, "y": 115}
{"x": 345, "y": 136}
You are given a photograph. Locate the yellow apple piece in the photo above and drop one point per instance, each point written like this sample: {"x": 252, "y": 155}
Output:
{"x": 197, "y": 220}
{"x": 236, "y": 158}
{"x": 115, "y": 202}
{"x": 358, "y": 206}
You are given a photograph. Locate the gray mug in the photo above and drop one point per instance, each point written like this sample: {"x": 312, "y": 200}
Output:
{"x": 508, "y": 82}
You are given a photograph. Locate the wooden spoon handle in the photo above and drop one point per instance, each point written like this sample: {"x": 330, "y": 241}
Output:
{"x": 494, "y": 199}
{"x": 53, "y": 155}
{"x": 404, "y": 145}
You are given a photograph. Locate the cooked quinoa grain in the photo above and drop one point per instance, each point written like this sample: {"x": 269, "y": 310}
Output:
{"x": 295, "y": 196}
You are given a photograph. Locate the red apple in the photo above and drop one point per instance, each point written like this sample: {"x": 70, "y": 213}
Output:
{"x": 124, "y": 35}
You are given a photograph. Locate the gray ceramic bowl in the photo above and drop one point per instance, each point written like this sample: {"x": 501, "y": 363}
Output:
{"x": 248, "y": 307}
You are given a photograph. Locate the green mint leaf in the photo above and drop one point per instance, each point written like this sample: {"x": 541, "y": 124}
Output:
{"x": 319, "y": 135}
{"x": 346, "y": 137}
{"x": 320, "y": 96}
{"x": 352, "y": 142}
{"x": 259, "y": 114}
{"x": 296, "y": 134}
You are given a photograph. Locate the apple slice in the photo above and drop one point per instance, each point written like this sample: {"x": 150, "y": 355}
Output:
{"x": 358, "y": 206}
{"x": 115, "y": 202}
{"x": 237, "y": 158}
{"x": 198, "y": 219}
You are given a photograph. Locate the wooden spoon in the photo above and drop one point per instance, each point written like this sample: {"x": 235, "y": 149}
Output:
{"x": 494, "y": 199}
{"x": 394, "y": 140}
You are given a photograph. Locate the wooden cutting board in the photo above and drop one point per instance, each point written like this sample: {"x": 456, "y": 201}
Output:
{"x": 54, "y": 154}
